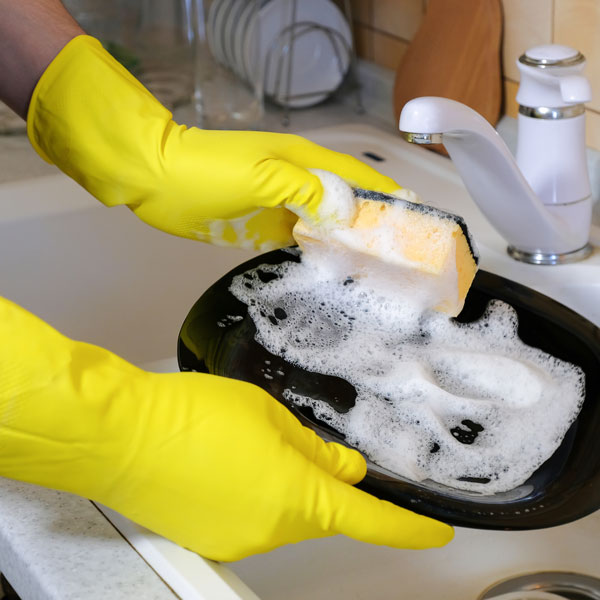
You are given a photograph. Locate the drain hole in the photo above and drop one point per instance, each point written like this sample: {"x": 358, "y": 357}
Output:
{"x": 374, "y": 156}
{"x": 567, "y": 585}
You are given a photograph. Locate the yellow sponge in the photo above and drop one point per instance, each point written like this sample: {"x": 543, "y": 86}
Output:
{"x": 427, "y": 250}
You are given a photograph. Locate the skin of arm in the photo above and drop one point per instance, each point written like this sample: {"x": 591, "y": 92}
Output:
{"x": 32, "y": 33}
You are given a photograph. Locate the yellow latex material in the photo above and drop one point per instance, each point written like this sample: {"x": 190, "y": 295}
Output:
{"x": 216, "y": 465}
{"x": 98, "y": 124}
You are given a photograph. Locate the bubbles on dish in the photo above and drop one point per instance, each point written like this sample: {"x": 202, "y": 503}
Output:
{"x": 469, "y": 406}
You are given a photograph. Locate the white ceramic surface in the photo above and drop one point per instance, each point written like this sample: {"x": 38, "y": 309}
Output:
{"x": 222, "y": 12}
{"x": 239, "y": 41}
{"x": 230, "y": 30}
{"x": 211, "y": 16}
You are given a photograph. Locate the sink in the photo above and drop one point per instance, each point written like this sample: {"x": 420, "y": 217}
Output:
{"x": 102, "y": 276}
{"x": 98, "y": 274}
{"x": 342, "y": 568}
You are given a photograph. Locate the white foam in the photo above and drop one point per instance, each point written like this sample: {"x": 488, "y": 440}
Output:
{"x": 337, "y": 205}
{"x": 390, "y": 240}
{"x": 424, "y": 382}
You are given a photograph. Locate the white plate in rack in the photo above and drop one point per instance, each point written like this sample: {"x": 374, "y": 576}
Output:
{"x": 210, "y": 26}
{"x": 239, "y": 35}
{"x": 230, "y": 31}
{"x": 316, "y": 70}
{"x": 214, "y": 17}
{"x": 219, "y": 26}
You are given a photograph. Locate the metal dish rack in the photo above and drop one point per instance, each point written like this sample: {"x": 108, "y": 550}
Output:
{"x": 282, "y": 52}
{"x": 278, "y": 62}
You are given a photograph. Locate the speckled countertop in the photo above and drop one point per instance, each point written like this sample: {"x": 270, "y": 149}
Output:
{"x": 61, "y": 547}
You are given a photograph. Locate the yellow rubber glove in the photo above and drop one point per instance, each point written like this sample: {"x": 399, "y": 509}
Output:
{"x": 216, "y": 465}
{"x": 98, "y": 124}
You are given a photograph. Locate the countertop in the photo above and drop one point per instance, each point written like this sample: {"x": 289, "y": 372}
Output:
{"x": 57, "y": 546}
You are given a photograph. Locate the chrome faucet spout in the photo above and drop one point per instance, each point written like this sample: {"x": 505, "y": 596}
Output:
{"x": 423, "y": 138}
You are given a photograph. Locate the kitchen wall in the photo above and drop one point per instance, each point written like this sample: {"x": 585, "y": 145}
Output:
{"x": 384, "y": 28}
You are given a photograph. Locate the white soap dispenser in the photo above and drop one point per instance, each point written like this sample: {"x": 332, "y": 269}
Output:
{"x": 551, "y": 142}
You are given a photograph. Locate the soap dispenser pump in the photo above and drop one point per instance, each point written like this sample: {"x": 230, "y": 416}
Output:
{"x": 551, "y": 141}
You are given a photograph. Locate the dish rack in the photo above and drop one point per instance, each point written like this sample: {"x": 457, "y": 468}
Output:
{"x": 283, "y": 47}
{"x": 281, "y": 50}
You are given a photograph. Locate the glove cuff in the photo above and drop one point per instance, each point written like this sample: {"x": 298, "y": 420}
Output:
{"x": 62, "y": 68}
{"x": 90, "y": 117}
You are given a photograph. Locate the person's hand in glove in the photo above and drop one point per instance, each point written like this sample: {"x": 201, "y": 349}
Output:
{"x": 216, "y": 465}
{"x": 98, "y": 124}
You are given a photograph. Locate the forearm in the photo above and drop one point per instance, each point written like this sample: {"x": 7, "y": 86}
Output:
{"x": 32, "y": 33}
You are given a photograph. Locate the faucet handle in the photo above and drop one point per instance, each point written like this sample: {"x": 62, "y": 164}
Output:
{"x": 551, "y": 77}
{"x": 575, "y": 89}
{"x": 551, "y": 55}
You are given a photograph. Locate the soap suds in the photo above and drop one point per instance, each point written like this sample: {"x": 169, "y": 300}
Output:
{"x": 392, "y": 241}
{"x": 469, "y": 406}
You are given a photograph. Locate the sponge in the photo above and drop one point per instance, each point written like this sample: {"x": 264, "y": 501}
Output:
{"x": 425, "y": 253}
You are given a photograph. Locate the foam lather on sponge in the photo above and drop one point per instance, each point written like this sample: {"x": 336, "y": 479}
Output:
{"x": 425, "y": 253}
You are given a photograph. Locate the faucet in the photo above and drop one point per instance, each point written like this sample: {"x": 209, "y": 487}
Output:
{"x": 541, "y": 202}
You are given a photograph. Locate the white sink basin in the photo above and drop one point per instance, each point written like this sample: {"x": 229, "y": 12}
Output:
{"x": 102, "y": 276}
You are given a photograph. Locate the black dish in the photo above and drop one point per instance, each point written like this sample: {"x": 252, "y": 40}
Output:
{"x": 566, "y": 487}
